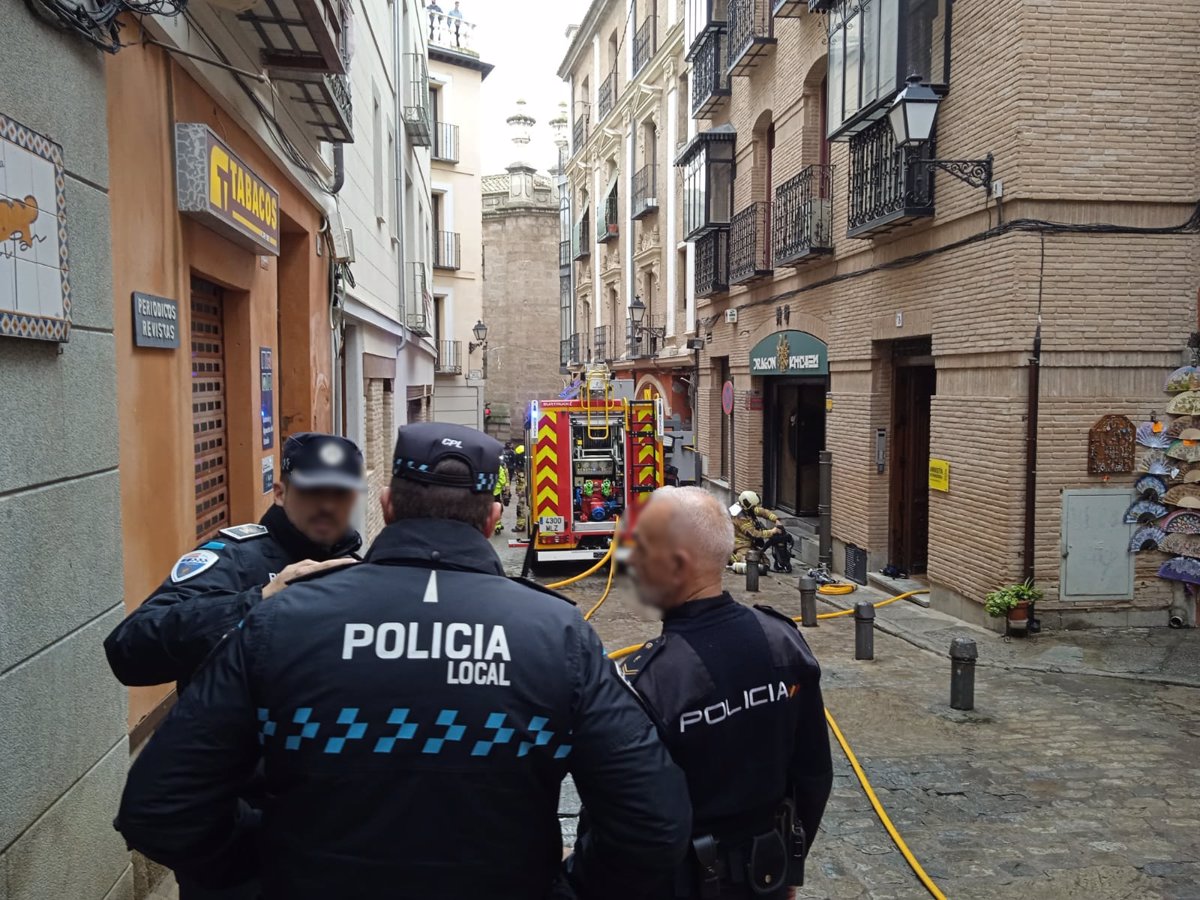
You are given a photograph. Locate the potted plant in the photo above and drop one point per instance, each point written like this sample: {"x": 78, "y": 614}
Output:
{"x": 1013, "y": 603}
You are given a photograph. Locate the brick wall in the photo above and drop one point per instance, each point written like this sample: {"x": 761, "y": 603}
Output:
{"x": 379, "y": 413}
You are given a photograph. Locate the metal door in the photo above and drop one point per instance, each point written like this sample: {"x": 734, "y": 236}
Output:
{"x": 1096, "y": 562}
{"x": 209, "y": 427}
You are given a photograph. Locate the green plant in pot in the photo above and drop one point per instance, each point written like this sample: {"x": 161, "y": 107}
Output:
{"x": 1012, "y": 601}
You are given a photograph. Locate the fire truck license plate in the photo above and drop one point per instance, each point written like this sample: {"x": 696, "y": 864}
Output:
{"x": 552, "y": 524}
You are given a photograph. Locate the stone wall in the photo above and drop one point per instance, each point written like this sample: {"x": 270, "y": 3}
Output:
{"x": 520, "y": 306}
{"x": 63, "y": 748}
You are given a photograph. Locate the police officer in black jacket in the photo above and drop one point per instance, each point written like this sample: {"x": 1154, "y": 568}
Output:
{"x": 416, "y": 714}
{"x": 212, "y": 588}
{"x": 737, "y": 694}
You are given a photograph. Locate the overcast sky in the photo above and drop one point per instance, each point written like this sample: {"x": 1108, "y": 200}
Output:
{"x": 525, "y": 40}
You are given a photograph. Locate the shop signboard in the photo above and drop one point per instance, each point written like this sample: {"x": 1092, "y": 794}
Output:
{"x": 216, "y": 188}
{"x": 790, "y": 353}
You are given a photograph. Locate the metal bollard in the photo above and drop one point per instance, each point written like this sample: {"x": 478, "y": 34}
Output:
{"x": 864, "y": 630}
{"x": 752, "y": 559}
{"x": 963, "y": 654}
{"x": 808, "y": 601}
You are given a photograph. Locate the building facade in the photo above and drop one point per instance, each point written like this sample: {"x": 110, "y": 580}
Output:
{"x": 457, "y": 74}
{"x": 521, "y": 293}
{"x": 633, "y": 306}
{"x": 63, "y": 745}
{"x": 950, "y": 344}
{"x": 385, "y": 345}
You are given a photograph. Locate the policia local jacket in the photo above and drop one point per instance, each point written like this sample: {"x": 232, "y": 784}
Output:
{"x": 416, "y": 714}
{"x": 738, "y": 695}
{"x": 207, "y": 593}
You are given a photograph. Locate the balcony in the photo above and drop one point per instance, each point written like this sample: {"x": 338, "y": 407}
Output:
{"x": 307, "y": 35}
{"x": 889, "y": 186}
{"x": 324, "y": 99}
{"x": 645, "y": 191}
{"x": 579, "y": 134}
{"x": 417, "y": 315}
{"x": 609, "y": 227}
{"x": 751, "y": 34}
{"x": 750, "y": 244}
{"x": 564, "y": 254}
{"x": 452, "y": 32}
{"x": 607, "y": 97}
{"x": 445, "y": 142}
{"x": 710, "y": 76}
{"x": 712, "y": 264}
{"x": 582, "y": 238}
{"x": 791, "y": 9}
{"x": 449, "y": 358}
{"x": 576, "y": 350}
{"x": 416, "y": 106}
{"x": 600, "y": 344}
{"x": 447, "y": 250}
{"x": 804, "y": 217}
{"x": 564, "y": 354}
{"x": 643, "y": 343}
{"x": 645, "y": 43}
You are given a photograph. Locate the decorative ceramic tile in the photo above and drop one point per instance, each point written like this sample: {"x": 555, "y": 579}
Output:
{"x": 35, "y": 292}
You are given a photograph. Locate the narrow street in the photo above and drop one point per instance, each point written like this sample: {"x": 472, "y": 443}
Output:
{"x": 1057, "y": 786}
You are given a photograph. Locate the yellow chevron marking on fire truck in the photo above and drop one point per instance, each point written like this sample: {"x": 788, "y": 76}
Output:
{"x": 545, "y": 474}
{"x": 547, "y": 494}
{"x": 547, "y": 453}
{"x": 547, "y": 433}
{"x": 646, "y": 452}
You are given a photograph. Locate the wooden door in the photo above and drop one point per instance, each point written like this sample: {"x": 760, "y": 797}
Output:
{"x": 210, "y": 438}
{"x": 909, "y": 515}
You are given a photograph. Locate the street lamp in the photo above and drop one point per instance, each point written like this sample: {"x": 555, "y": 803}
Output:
{"x": 913, "y": 115}
{"x": 637, "y": 315}
{"x": 480, "y": 331}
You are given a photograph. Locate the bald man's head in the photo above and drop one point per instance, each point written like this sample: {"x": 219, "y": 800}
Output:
{"x": 682, "y": 543}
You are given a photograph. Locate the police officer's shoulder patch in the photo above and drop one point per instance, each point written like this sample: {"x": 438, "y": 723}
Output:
{"x": 635, "y": 663}
{"x": 244, "y": 532}
{"x": 540, "y": 588}
{"x": 192, "y": 564}
{"x": 775, "y": 614}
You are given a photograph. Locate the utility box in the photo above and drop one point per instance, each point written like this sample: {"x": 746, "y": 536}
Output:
{"x": 1096, "y": 562}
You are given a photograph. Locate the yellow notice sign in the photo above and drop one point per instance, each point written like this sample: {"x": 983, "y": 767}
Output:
{"x": 939, "y": 475}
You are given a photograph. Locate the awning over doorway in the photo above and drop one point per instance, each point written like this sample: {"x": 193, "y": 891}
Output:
{"x": 790, "y": 353}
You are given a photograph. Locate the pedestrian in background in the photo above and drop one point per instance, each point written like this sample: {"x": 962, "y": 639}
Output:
{"x": 737, "y": 693}
{"x": 416, "y": 714}
{"x": 212, "y": 588}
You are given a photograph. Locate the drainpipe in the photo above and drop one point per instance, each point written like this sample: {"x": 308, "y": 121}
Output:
{"x": 339, "y": 169}
{"x": 1031, "y": 438}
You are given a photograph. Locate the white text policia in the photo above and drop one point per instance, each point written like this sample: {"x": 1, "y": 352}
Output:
{"x": 475, "y": 654}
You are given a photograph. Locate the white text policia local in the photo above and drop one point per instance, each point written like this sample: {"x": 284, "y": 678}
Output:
{"x": 475, "y": 654}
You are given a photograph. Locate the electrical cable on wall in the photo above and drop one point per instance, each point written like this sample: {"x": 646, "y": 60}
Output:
{"x": 100, "y": 25}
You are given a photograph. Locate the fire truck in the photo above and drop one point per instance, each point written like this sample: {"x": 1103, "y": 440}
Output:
{"x": 591, "y": 460}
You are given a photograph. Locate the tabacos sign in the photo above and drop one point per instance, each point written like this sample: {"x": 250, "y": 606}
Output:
{"x": 790, "y": 353}
{"x": 215, "y": 187}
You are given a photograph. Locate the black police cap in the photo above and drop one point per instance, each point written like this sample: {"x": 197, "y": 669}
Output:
{"x": 313, "y": 460}
{"x": 420, "y": 447}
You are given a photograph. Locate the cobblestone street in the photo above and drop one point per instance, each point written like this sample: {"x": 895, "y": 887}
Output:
{"x": 1056, "y": 786}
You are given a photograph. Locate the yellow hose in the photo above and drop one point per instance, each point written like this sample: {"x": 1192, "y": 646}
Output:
{"x": 850, "y": 612}
{"x": 883, "y": 816}
{"x": 612, "y": 569}
{"x": 612, "y": 548}
{"x": 837, "y": 589}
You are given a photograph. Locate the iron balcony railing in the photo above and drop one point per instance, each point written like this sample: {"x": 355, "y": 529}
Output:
{"x": 712, "y": 264}
{"x": 582, "y": 238}
{"x": 751, "y": 34}
{"x": 821, "y": 5}
{"x": 645, "y": 190}
{"x": 750, "y": 243}
{"x": 445, "y": 142}
{"x": 417, "y": 315}
{"x": 564, "y": 253}
{"x": 710, "y": 76}
{"x": 889, "y": 185}
{"x": 449, "y": 358}
{"x": 447, "y": 250}
{"x": 564, "y": 354}
{"x": 644, "y": 45}
{"x": 600, "y": 344}
{"x": 579, "y": 135}
{"x": 609, "y": 227}
{"x": 416, "y": 105}
{"x": 645, "y": 341}
{"x": 577, "y": 349}
{"x": 607, "y": 97}
{"x": 804, "y": 217}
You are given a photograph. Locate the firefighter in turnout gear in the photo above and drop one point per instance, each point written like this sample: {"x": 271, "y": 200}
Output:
{"x": 748, "y": 525}
{"x": 737, "y": 694}
{"x": 500, "y": 490}
{"x": 415, "y": 715}
{"x": 519, "y": 489}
